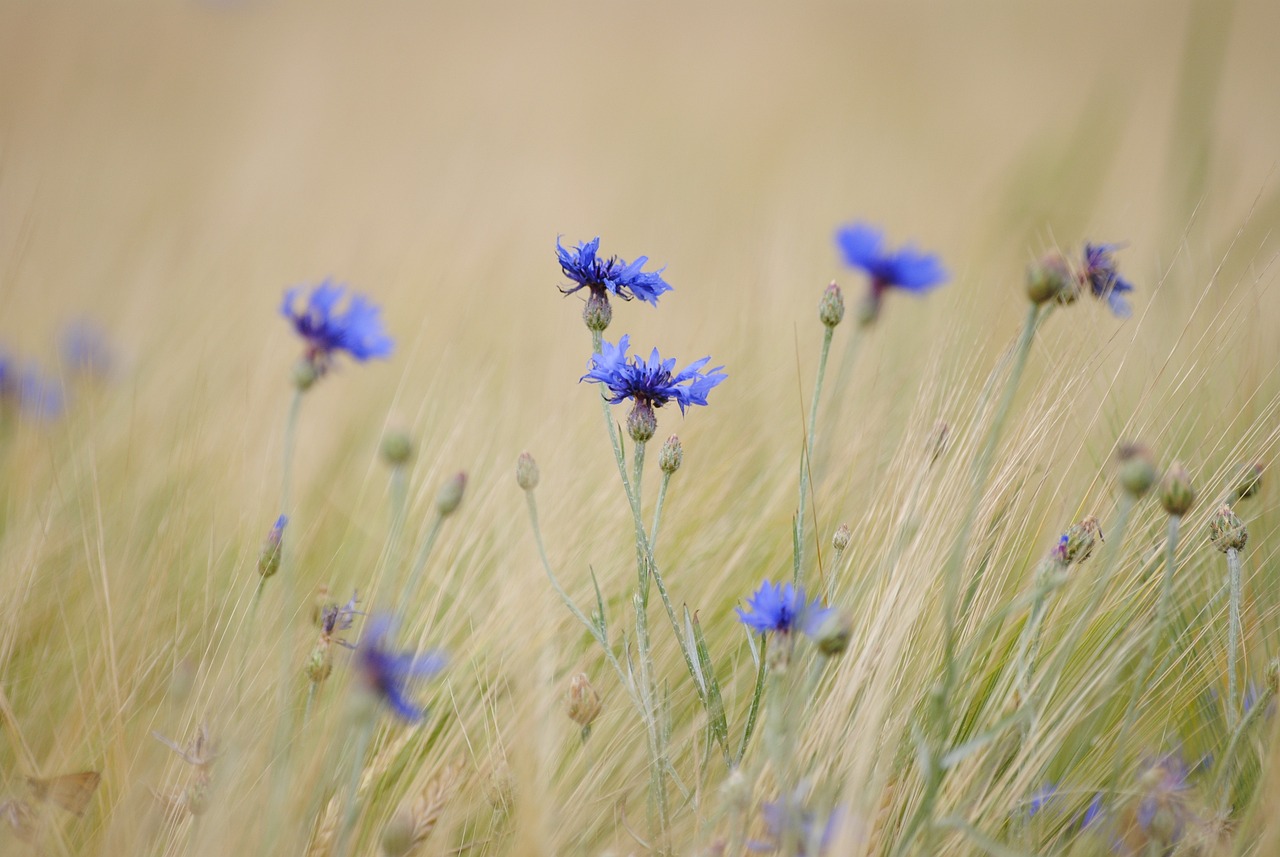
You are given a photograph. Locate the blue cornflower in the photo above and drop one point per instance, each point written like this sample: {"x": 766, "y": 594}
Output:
{"x": 589, "y": 270}
{"x": 336, "y": 618}
{"x": 1103, "y": 280}
{"x": 782, "y": 609}
{"x": 1093, "y": 813}
{"x": 24, "y": 389}
{"x": 788, "y": 819}
{"x": 1041, "y": 798}
{"x": 1163, "y": 808}
{"x": 356, "y": 330}
{"x": 649, "y": 383}
{"x": 907, "y": 268}
{"x": 386, "y": 674}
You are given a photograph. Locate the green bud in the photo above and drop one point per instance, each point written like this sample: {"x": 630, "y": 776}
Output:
{"x": 834, "y": 633}
{"x": 1050, "y": 279}
{"x": 304, "y": 375}
{"x": 319, "y": 663}
{"x": 450, "y": 496}
{"x": 1246, "y": 482}
{"x": 831, "y": 307}
{"x": 397, "y": 449}
{"x": 671, "y": 456}
{"x": 1137, "y": 471}
{"x": 597, "y": 314}
{"x": 840, "y": 540}
{"x": 642, "y": 422}
{"x": 1176, "y": 491}
{"x": 527, "y": 474}
{"x": 1078, "y": 541}
{"x": 1226, "y": 531}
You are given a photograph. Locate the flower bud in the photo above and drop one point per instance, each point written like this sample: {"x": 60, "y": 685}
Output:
{"x": 397, "y": 449}
{"x": 1137, "y": 472}
{"x": 736, "y": 791}
{"x": 584, "y": 702}
{"x": 671, "y": 456}
{"x": 398, "y": 836}
{"x": 834, "y": 633}
{"x": 1078, "y": 542}
{"x": 450, "y": 496}
{"x": 840, "y": 540}
{"x": 527, "y": 474}
{"x": 642, "y": 422}
{"x": 831, "y": 307}
{"x": 1050, "y": 279}
{"x": 305, "y": 374}
{"x": 1176, "y": 491}
{"x": 1226, "y": 531}
{"x": 269, "y": 556}
{"x": 320, "y": 662}
{"x": 597, "y": 314}
{"x": 1246, "y": 482}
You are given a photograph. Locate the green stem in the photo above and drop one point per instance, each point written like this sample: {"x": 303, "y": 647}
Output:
{"x": 1140, "y": 678}
{"x": 1233, "y": 635}
{"x": 1237, "y": 735}
{"x": 363, "y": 737}
{"x": 290, "y": 440}
{"x": 420, "y": 562}
{"x": 657, "y": 512}
{"x": 806, "y": 455}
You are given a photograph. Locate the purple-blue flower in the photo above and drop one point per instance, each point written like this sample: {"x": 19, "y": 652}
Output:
{"x": 1103, "y": 280}
{"x": 907, "y": 268}
{"x": 652, "y": 382}
{"x": 782, "y": 609}
{"x": 585, "y": 266}
{"x": 336, "y": 618}
{"x": 1093, "y": 813}
{"x": 1163, "y": 808}
{"x": 1041, "y": 798}
{"x": 788, "y": 819}
{"x": 24, "y": 389}
{"x": 387, "y": 674}
{"x": 357, "y": 329}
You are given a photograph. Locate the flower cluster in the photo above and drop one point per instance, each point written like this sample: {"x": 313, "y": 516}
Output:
{"x": 326, "y": 331}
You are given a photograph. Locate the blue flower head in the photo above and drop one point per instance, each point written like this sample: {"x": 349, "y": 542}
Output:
{"x": 387, "y": 674}
{"x": 1103, "y": 280}
{"x": 1163, "y": 807}
{"x": 782, "y": 609}
{"x": 23, "y": 389}
{"x": 787, "y": 819}
{"x": 907, "y": 268}
{"x": 336, "y": 618}
{"x": 584, "y": 265}
{"x": 649, "y": 383}
{"x": 1041, "y": 798}
{"x": 357, "y": 329}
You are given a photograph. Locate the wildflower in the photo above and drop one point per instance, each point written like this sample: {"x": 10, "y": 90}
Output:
{"x": 386, "y": 674}
{"x": 1078, "y": 542}
{"x": 397, "y": 448}
{"x": 1093, "y": 813}
{"x": 1100, "y": 275}
{"x": 907, "y": 269}
{"x": 671, "y": 456}
{"x": 25, "y": 390}
{"x": 1245, "y": 483}
{"x": 584, "y": 702}
{"x": 527, "y": 475}
{"x": 356, "y": 330}
{"x": 649, "y": 384}
{"x": 1137, "y": 471}
{"x": 834, "y": 632}
{"x": 335, "y": 618}
{"x": 842, "y": 537}
{"x": 831, "y": 307}
{"x": 782, "y": 609}
{"x": 1226, "y": 531}
{"x": 450, "y": 496}
{"x": 589, "y": 270}
{"x": 269, "y": 556}
{"x": 1041, "y": 798}
{"x": 1163, "y": 811}
{"x": 200, "y": 753}
{"x": 85, "y": 349}
{"x": 1176, "y": 491}
{"x": 789, "y": 823}
{"x": 1050, "y": 278}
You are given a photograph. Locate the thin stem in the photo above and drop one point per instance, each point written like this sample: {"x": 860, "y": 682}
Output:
{"x": 1233, "y": 635}
{"x": 311, "y": 698}
{"x": 1154, "y": 636}
{"x": 806, "y": 454}
{"x": 290, "y": 439}
{"x": 1228, "y": 758}
{"x": 363, "y": 736}
{"x": 657, "y": 512}
{"x": 420, "y": 562}
{"x": 399, "y": 508}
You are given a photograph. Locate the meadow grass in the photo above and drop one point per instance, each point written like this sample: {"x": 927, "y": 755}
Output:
{"x": 169, "y": 169}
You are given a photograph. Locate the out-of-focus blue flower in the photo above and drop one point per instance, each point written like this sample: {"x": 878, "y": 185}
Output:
{"x": 652, "y": 382}
{"x": 584, "y": 265}
{"x": 908, "y": 269}
{"x": 356, "y": 330}
{"x": 1103, "y": 280}
{"x": 788, "y": 819}
{"x": 86, "y": 349}
{"x": 782, "y": 609}
{"x": 1041, "y": 798}
{"x": 387, "y": 674}
{"x": 1093, "y": 813}
{"x": 1163, "y": 808}
{"x": 23, "y": 389}
{"x": 336, "y": 618}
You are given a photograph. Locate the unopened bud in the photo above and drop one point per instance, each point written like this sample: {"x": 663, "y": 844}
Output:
{"x": 831, "y": 307}
{"x": 736, "y": 791}
{"x": 320, "y": 662}
{"x": 584, "y": 702}
{"x": 671, "y": 456}
{"x": 840, "y": 540}
{"x": 450, "y": 496}
{"x": 597, "y": 314}
{"x": 1226, "y": 531}
{"x": 527, "y": 474}
{"x": 1078, "y": 542}
{"x": 642, "y": 422}
{"x": 398, "y": 835}
{"x": 1137, "y": 471}
{"x": 834, "y": 633}
{"x": 1050, "y": 279}
{"x": 305, "y": 374}
{"x": 1246, "y": 482}
{"x": 397, "y": 449}
{"x": 1176, "y": 491}
{"x": 269, "y": 557}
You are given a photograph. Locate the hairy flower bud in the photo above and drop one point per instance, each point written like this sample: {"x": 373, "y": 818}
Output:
{"x": 450, "y": 496}
{"x": 1226, "y": 531}
{"x": 1176, "y": 491}
{"x": 1050, "y": 279}
{"x": 269, "y": 556}
{"x": 671, "y": 456}
{"x": 840, "y": 540}
{"x": 527, "y": 474}
{"x": 834, "y": 633}
{"x": 1246, "y": 482}
{"x": 320, "y": 662}
{"x": 831, "y": 307}
{"x": 1137, "y": 472}
{"x": 642, "y": 422}
{"x": 597, "y": 314}
{"x": 584, "y": 702}
{"x": 397, "y": 448}
{"x": 1078, "y": 542}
